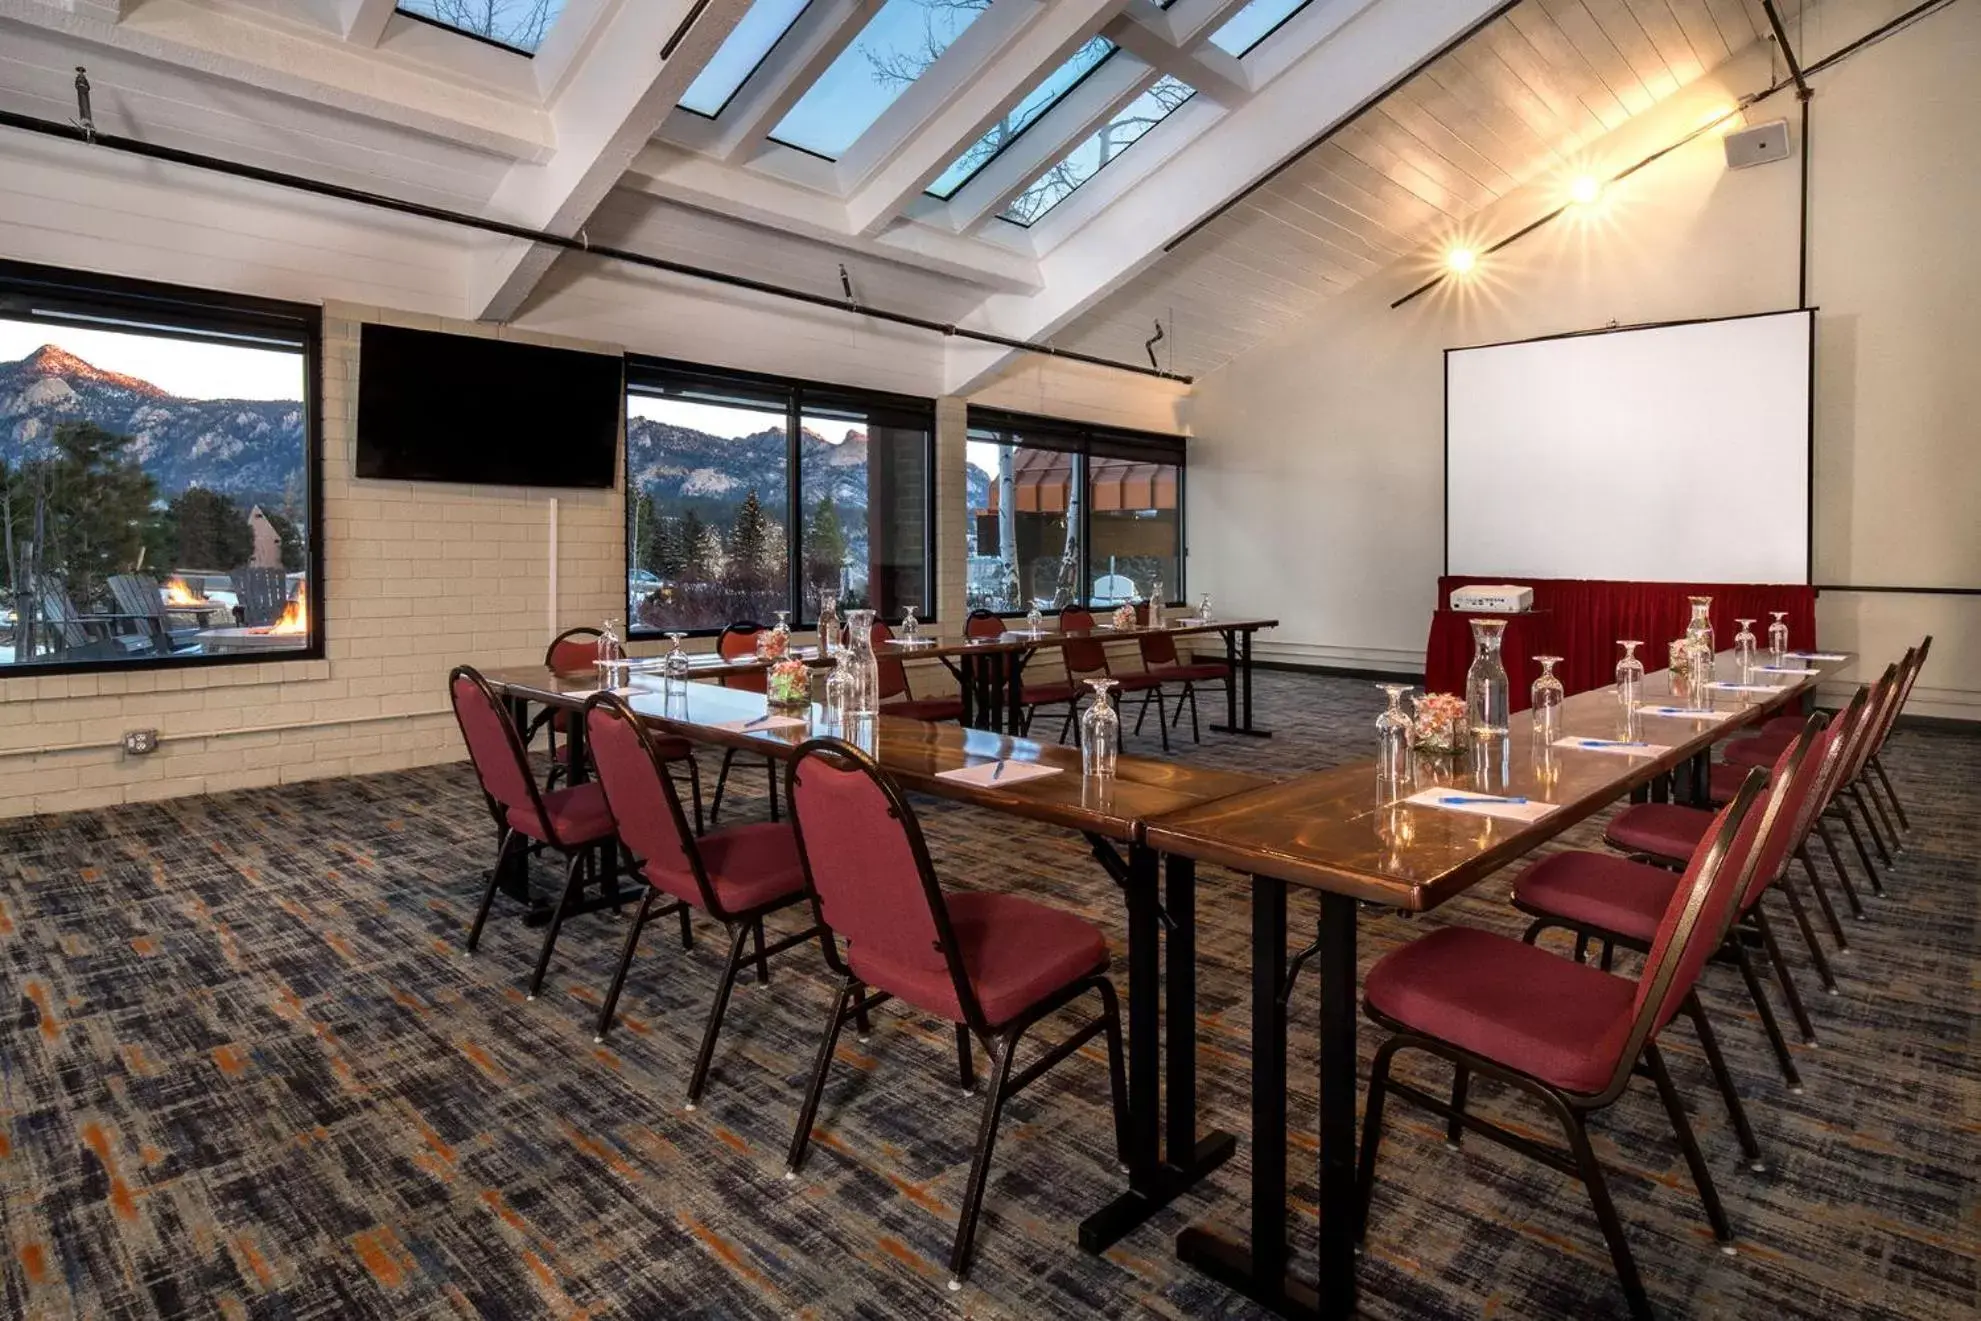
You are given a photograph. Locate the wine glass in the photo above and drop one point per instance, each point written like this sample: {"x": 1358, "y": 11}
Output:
{"x": 1629, "y": 676}
{"x": 1204, "y": 615}
{"x": 1035, "y": 623}
{"x": 611, "y": 656}
{"x": 1778, "y": 636}
{"x": 911, "y": 627}
{"x": 1743, "y": 648}
{"x": 1393, "y": 736}
{"x": 1546, "y": 697}
{"x": 1100, "y": 732}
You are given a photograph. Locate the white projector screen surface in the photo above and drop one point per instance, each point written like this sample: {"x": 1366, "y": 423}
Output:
{"x": 1667, "y": 454}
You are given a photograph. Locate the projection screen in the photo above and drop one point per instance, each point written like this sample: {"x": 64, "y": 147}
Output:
{"x": 1675, "y": 453}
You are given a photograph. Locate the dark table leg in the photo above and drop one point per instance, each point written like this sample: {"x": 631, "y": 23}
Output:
{"x": 514, "y": 878}
{"x": 969, "y": 685}
{"x": 1238, "y": 690}
{"x": 1157, "y": 1178}
{"x": 1261, "y": 1273}
{"x": 1700, "y": 791}
{"x": 1014, "y": 690}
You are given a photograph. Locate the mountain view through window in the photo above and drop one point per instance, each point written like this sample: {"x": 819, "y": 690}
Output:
{"x": 153, "y": 497}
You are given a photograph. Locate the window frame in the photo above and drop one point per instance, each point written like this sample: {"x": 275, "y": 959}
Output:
{"x": 641, "y": 369}
{"x": 1079, "y": 439}
{"x": 1114, "y": 49}
{"x": 225, "y": 316}
{"x": 402, "y": 12}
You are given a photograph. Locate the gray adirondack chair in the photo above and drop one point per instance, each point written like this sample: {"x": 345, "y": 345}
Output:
{"x": 79, "y": 635}
{"x": 137, "y": 594}
{"x": 261, "y": 593}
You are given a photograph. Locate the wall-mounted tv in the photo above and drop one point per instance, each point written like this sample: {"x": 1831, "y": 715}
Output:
{"x": 457, "y": 408}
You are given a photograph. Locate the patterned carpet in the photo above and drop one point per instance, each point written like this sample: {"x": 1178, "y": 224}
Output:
{"x": 251, "y": 1074}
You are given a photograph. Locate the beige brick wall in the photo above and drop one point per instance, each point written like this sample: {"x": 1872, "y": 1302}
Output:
{"x": 418, "y": 577}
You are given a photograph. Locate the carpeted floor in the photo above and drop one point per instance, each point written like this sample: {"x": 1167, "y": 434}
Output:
{"x": 251, "y": 1074}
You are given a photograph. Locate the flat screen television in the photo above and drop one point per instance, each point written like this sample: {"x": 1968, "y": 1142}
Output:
{"x": 457, "y": 408}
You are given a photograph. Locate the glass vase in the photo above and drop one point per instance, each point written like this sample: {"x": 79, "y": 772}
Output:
{"x": 1486, "y": 693}
{"x": 1546, "y": 697}
{"x": 1100, "y": 732}
{"x": 861, "y": 693}
{"x": 1394, "y": 734}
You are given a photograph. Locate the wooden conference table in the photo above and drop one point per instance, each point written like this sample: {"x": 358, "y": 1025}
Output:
{"x": 1162, "y": 955}
{"x": 1337, "y": 832}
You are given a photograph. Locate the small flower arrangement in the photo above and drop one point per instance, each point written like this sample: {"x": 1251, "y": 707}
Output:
{"x": 772, "y": 644}
{"x": 1124, "y": 616}
{"x": 1439, "y": 721}
{"x": 789, "y": 683}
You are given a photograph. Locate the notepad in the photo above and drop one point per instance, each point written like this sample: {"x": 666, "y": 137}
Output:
{"x": 1819, "y": 655}
{"x": 1627, "y": 749}
{"x": 763, "y": 724}
{"x": 1687, "y": 713}
{"x": 585, "y": 694}
{"x": 1459, "y": 800}
{"x": 1783, "y": 669}
{"x": 986, "y": 775}
{"x": 1746, "y": 687}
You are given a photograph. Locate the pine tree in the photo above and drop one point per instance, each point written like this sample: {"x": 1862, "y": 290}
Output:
{"x": 825, "y": 548}
{"x": 749, "y": 540}
{"x": 644, "y": 535}
{"x": 692, "y": 542}
{"x": 212, "y": 532}
{"x": 98, "y": 508}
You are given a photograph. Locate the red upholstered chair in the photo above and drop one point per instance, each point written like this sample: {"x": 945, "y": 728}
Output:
{"x": 896, "y": 697}
{"x": 737, "y": 876}
{"x": 1159, "y": 656}
{"x": 984, "y": 624}
{"x": 738, "y": 641}
{"x": 574, "y": 822}
{"x": 1567, "y": 1034}
{"x": 1087, "y": 659}
{"x": 1601, "y": 897}
{"x": 574, "y": 651}
{"x": 993, "y": 965}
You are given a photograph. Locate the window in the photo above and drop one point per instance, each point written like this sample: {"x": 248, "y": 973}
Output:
{"x": 1251, "y": 25}
{"x": 1109, "y": 141}
{"x": 719, "y": 531}
{"x": 517, "y": 25}
{"x": 895, "y": 48}
{"x": 1062, "y": 514}
{"x": 157, "y": 475}
{"x": 741, "y": 54}
{"x": 1022, "y": 116}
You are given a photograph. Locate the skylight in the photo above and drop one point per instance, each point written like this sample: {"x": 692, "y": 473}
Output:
{"x": 516, "y": 24}
{"x": 1022, "y": 116}
{"x": 1108, "y": 142}
{"x": 742, "y": 52}
{"x": 895, "y": 48}
{"x": 1253, "y": 24}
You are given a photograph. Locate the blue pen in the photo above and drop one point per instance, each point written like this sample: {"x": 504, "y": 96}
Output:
{"x": 1459, "y": 802}
{"x": 997, "y": 770}
{"x": 760, "y": 720}
{"x": 1609, "y": 743}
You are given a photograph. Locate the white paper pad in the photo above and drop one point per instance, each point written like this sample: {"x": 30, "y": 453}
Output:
{"x": 1783, "y": 669}
{"x": 1624, "y": 749}
{"x": 1818, "y": 655}
{"x": 586, "y": 694}
{"x": 1687, "y": 713}
{"x": 911, "y": 642}
{"x": 1747, "y": 687}
{"x": 762, "y": 723}
{"x": 1478, "y": 804}
{"x": 1014, "y": 772}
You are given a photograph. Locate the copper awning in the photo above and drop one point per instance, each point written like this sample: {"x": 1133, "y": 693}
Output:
{"x": 1039, "y": 479}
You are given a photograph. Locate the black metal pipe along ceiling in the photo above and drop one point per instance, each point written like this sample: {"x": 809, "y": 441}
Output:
{"x": 196, "y": 160}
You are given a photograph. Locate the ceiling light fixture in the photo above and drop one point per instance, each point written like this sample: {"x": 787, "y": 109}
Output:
{"x": 1461, "y": 260}
{"x": 1586, "y": 189}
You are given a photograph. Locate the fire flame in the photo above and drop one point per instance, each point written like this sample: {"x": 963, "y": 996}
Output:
{"x": 177, "y": 593}
{"x": 295, "y": 615}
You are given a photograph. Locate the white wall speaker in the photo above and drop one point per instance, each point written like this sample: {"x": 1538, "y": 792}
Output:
{"x": 1757, "y": 145}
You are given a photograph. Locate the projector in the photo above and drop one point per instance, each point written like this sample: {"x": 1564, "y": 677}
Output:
{"x": 1504, "y": 599}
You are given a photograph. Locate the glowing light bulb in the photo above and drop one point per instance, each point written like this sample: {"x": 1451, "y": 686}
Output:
{"x": 1586, "y": 189}
{"x": 1461, "y": 260}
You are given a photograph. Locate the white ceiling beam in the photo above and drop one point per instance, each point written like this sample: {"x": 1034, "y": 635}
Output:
{"x": 1211, "y": 71}
{"x": 694, "y": 180}
{"x": 364, "y": 20}
{"x": 607, "y": 112}
{"x": 1048, "y": 40}
{"x": 1365, "y": 54}
{"x": 824, "y": 29}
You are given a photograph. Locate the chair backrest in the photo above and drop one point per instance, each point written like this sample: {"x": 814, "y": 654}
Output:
{"x": 983, "y": 624}
{"x": 867, "y": 867}
{"x": 262, "y": 592}
{"x": 1084, "y": 655}
{"x": 893, "y": 674}
{"x": 738, "y": 641}
{"x": 644, "y": 803}
{"x": 496, "y": 750}
{"x": 1791, "y": 786}
{"x": 573, "y": 651}
{"x": 1694, "y": 923}
{"x": 1841, "y": 730}
{"x": 1918, "y": 664}
{"x": 1908, "y": 666}
{"x": 59, "y": 613}
{"x": 1877, "y": 711}
{"x": 137, "y": 594}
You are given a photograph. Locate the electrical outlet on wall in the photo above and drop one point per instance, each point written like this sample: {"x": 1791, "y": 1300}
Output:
{"x": 138, "y": 742}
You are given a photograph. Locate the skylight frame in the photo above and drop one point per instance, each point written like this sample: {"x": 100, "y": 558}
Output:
{"x": 804, "y": 8}
{"x": 1113, "y": 49}
{"x": 1263, "y": 37}
{"x": 529, "y": 53}
{"x": 1002, "y": 212}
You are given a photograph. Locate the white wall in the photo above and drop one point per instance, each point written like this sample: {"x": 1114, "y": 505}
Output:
{"x": 1317, "y": 468}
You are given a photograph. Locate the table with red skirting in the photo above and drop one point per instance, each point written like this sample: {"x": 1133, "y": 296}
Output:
{"x": 1581, "y": 620}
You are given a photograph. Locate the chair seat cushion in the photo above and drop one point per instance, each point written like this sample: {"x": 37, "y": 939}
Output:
{"x": 1139, "y": 681}
{"x": 1518, "y": 1006}
{"x": 1598, "y": 890}
{"x": 1785, "y": 726}
{"x": 1663, "y": 830}
{"x": 1761, "y": 750}
{"x": 1205, "y": 672}
{"x": 749, "y": 867}
{"x": 1016, "y": 953}
{"x": 669, "y": 748}
{"x": 1050, "y": 694}
{"x": 925, "y": 708}
{"x": 578, "y": 815}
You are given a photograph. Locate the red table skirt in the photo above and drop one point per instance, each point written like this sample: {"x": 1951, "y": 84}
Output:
{"x": 1581, "y": 620}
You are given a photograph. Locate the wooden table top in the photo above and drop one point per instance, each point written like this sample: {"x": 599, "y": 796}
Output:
{"x": 916, "y": 752}
{"x": 540, "y": 683}
{"x": 1338, "y": 830}
{"x": 1024, "y": 640}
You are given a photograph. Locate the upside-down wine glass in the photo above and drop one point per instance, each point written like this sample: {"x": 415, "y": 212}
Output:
{"x": 674, "y": 671}
{"x": 1100, "y": 732}
{"x": 1778, "y": 636}
{"x": 1204, "y": 615}
{"x": 1393, "y": 734}
{"x": 1035, "y": 622}
{"x": 1743, "y": 648}
{"x": 911, "y": 627}
{"x": 1545, "y": 698}
{"x": 611, "y": 655}
{"x": 1629, "y": 676}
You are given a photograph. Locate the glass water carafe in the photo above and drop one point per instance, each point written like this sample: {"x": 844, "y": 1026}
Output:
{"x": 1778, "y": 636}
{"x": 1545, "y": 698}
{"x": 861, "y": 687}
{"x": 1100, "y": 732}
{"x": 1699, "y": 629}
{"x": 1486, "y": 695}
{"x": 1394, "y": 734}
{"x": 828, "y": 623}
